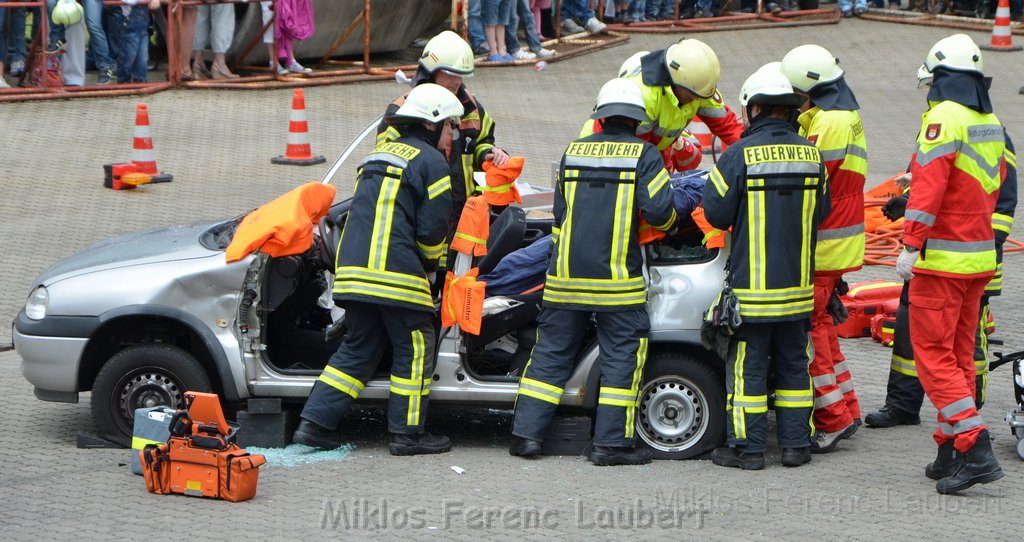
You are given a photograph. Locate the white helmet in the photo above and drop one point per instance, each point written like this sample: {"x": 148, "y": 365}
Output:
{"x": 620, "y": 98}
{"x": 447, "y": 51}
{"x": 66, "y": 13}
{"x": 767, "y": 86}
{"x": 693, "y": 66}
{"x": 631, "y": 66}
{"x": 957, "y": 53}
{"x": 430, "y": 103}
{"x": 808, "y": 66}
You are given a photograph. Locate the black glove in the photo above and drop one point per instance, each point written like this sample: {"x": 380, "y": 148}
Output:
{"x": 895, "y": 207}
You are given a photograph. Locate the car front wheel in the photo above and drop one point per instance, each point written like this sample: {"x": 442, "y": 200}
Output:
{"x": 142, "y": 376}
{"x": 682, "y": 406}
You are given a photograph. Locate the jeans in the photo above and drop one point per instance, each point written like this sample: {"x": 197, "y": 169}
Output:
{"x": 14, "y": 46}
{"x": 98, "y": 46}
{"x": 577, "y": 9}
{"x": 524, "y": 13}
{"x": 638, "y": 9}
{"x": 661, "y": 9}
{"x": 847, "y": 6}
{"x": 133, "y": 51}
{"x": 475, "y": 24}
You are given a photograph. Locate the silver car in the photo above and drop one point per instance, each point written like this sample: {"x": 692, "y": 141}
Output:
{"x": 141, "y": 318}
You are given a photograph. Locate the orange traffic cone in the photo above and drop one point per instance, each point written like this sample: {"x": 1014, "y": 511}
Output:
{"x": 699, "y": 130}
{"x": 142, "y": 147}
{"x": 298, "y": 152}
{"x": 1001, "y": 34}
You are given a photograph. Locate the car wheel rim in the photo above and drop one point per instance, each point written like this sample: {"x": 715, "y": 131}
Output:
{"x": 146, "y": 388}
{"x": 673, "y": 414}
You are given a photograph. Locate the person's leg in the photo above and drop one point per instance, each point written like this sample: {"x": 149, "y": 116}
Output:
{"x": 623, "y": 352}
{"x": 17, "y": 50}
{"x": 3, "y": 47}
{"x": 411, "y": 334}
{"x": 186, "y": 36}
{"x": 222, "y": 29}
{"x": 125, "y": 52}
{"x": 830, "y": 412}
{"x": 981, "y": 353}
{"x": 511, "y": 33}
{"x": 200, "y": 41}
{"x": 97, "y": 35}
{"x": 55, "y": 38}
{"x": 475, "y": 26}
{"x": 794, "y": 399}
{"x": 747, "y": 388}
{"x": 140, "y": 42}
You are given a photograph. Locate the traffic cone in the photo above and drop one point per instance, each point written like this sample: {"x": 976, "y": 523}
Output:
{"x": 142, "y": 147}
{"x": 298, "y": 152}
{"x": 699, "y": 130}
{"x": 1001, "y": 35}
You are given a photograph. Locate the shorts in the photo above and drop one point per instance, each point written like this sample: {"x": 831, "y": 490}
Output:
{"x": 496, "y": 12}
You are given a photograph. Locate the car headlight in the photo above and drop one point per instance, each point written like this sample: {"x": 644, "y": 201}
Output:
{"x": 35, "y": 307}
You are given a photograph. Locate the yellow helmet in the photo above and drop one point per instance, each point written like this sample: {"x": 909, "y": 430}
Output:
{"x": 430, "y": 103}
{"x": 808, "y": 66}
{"x": 957, "y": 52}
{"x": 694, "y": 66}
{"x": 447, "y": 51}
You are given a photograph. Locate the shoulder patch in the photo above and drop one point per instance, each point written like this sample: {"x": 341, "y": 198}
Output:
{"x": 813, "y": 139}
{"x": 932, "y": 132}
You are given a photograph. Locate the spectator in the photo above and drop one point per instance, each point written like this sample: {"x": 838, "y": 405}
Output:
{"x": 293, "y": 22}
{"x": 849, "y": 8}
{"x": 636, "y": 11}
{"x": 475, "y": 27}
{"x": 537, "y": 5}
{"x": 522, "y": 12}
{"x": 133, "y": 49}
{"x": 214, "y": 24}
{"x": 496, "y": 16}
{"x": 3, "y": 47}
{"x": 99, "y": 46}
{"x": 661, "y": 10}
{"x": 17, "y": 51}
{"x": 186, "y": 34}
{"x": 578, "y": 12}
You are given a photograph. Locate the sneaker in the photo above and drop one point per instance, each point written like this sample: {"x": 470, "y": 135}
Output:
{"x": 278, "y": 68}
{"x": 776, "y": 9}
{"x": 594, "y": 26}
{"x": 825, "y": 441}
{"x": 526, "y": 448}
{"x": 295, "y": 67}
{"x": 523, "y": 54}
{"x": 794, "y": 457}
{"x": 3, "y": 82}
{"x": 315, "y": 436}
{"x": 56, "y": 47}
{"x": 860, "y": 11}
{"x": 847, "y": 14}
{"x": 545, "y": 53}
{"x": 496, "y": 58}
{"x": 419, "y": 443}
{"x": 105, "y": 77}
{"x": 481, "y": 49}
{"x": 606, "y": 456}
{"x": 571, "y": 27}
{"x": 732, "y": 457}
{"x": 17, "y": 68}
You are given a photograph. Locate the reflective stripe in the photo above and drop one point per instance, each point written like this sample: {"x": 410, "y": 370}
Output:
{"x": 957, "y": 407}
{"x": 903, "y": 366}
{"x": 340, "y": 381}
{"x": 751, "y": 403}
{"x": 712, "y": 112}
{"x": 924, "y": 158}
{"x": 382, "y": 223}
{"x": 923, "y": 217}
{"x": 392, "y": 159}
{"x": 841, "y": 233}
{"x": 540, "y": 390}
{"x": 970, "y": 423}
{"x": 1001, "y": 222}
{"x": 605, "y": 162}
{"x": 842, "y": 154}
{"x": 991, "y": 171}
{"x": 784, "y": 168}
{"x": 823, "y": 380}
{"x": 846, "y": 386}
{"x": 439, "y": 187}
{"x": 641, "y": 360}
{"x": 658, "y": 182}
{"x": 945, "y": 429}
{"x": 431, "y": 252}
{"x": 829, "y": 398}
{"x": 622, "y": 225}
{"x": 139, "y": 443}
{"x": 617, "y": 397}
{"x": 794, "y": 399}
{"x": 739, "y": 420}
{"x": 840, "y": 368}
{"x": 718, "y": 182}
{"x": 961, "y": 246}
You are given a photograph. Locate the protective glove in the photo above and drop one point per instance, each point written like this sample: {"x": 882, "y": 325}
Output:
{"x": 905, "y": 264}
{"x": 685, "y": 154}
{"x": 895, "y": 208}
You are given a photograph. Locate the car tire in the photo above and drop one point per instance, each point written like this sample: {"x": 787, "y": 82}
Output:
{"x": 147, "y": 375}
{"x": 681, "y": 410}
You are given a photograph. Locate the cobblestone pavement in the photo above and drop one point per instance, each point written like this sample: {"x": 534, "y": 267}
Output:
{"x": 218, "y": 145}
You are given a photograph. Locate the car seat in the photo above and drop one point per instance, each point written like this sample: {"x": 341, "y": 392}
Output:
{"x": 506, "y": 235}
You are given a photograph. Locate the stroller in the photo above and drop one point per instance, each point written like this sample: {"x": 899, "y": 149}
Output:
{"x": 1016, "y": 416}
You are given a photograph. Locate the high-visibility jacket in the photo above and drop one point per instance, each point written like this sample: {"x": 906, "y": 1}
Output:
{"x": 396, "y": 227}
{"x": 1002, "y": 218}
{"x": 771, "y": 188}
{"x": 465, "y": 150}
{"x": 957, "y": 171}
{"x": 605, "y": 181}
{"x": 668, "y": 117}
{"x": 839, "y": 136}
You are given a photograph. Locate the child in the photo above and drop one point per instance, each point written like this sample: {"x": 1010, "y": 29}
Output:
{"x": 133, "y": 52}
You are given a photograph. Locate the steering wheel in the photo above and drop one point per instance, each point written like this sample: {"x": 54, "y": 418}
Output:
{"x": 328, "y": 241}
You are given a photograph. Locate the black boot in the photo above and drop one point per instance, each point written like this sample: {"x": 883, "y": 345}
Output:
{"x": 604, "y": 456}
{"x": 733, "y": 457}
{"x": 794, "y": 457}
{"x": 315, "y": 436}
{"x": 889, "y": 416}
{"x": 524, "y": 447}
{"x": 944, "y": 464}
{"x": 419, "y": 443}
{"x": 978, "y": 466}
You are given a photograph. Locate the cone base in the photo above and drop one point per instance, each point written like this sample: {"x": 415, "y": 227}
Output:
{"x": 1001, "y": 47}
{"x": 161, "y": 178}
{"x": 311, "y": 161}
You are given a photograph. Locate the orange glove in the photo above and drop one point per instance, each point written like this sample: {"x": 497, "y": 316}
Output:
{"x": 686, "y": 155}
{"x": 501, "y": 188}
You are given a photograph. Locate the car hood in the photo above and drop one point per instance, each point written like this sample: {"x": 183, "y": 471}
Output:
{"x": 139, "y": 248}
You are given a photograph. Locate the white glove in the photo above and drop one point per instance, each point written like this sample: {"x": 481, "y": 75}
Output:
{"x": 905, "y": 264}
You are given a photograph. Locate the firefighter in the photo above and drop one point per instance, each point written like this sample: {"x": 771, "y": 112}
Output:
{"x": 830, "y": 121}
{"x": 904, "y": 395}
{"x": 949, "y": 253}
{"x": 770, "y": 188}
{"x": 678, "y": 84}
{"x": 445, "y": 60}
{"x": 392, "y": 240}
{"x": 606, "y": 182}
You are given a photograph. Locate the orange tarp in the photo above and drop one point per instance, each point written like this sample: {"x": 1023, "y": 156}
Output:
{"x": 501, "y": 188}
{"x": 284, "y": 226}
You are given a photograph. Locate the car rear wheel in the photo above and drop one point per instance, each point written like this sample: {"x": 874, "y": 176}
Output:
{"x": 142, "y": 376}
{"x": 682, "y": 406}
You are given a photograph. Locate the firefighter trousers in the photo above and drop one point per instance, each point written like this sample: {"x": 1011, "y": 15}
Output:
{"x": 371, "y": 328}
{"x": 622, "y": 338}
{"x": 943, "y": 315}
{"x": 835, "y": 401}
{"x": 781, "y": 349}
{"x": 904, "y": 390}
